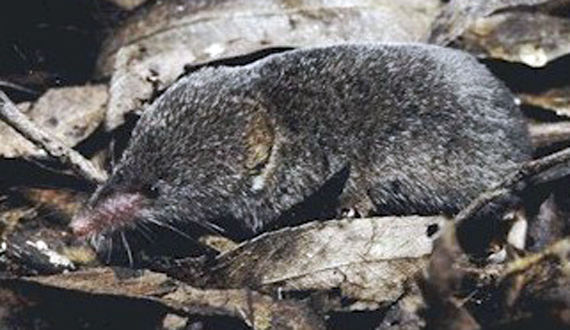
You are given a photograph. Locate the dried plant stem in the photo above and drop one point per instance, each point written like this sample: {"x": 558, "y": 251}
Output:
{"x": 510, "y": 184}
{"x": 560, "y": 248}
{"x": 12, "y": 116}
{"x": 545, "y": 134}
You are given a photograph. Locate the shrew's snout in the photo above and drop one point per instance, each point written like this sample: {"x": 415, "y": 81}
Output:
{"x": 113, "y": 213}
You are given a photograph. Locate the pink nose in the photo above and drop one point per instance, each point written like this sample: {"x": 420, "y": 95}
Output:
{"x": 80, "y": 226}
{"x": 113, "y": 213}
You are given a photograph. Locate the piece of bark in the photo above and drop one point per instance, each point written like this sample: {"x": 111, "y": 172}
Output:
{"x": 551, "y": 221}
{"x": 548, "y": 225}
{"x": 29, "y": 256}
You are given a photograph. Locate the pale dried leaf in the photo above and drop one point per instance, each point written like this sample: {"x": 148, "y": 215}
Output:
{"x": 534, "y": 39}
{"x": 150, "y": 51}
{"x": 525, "y": 31}
{"x": 458, "y": 15}
{"x": 369, "y": 259}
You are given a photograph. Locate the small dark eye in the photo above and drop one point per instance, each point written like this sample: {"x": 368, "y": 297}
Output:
{"x": 151, "y": 191}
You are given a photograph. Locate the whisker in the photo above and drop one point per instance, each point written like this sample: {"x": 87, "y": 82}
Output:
{"x": 50, "y": 211}
{"x": 95, "y": 241}
{"x": 178, "y": 231}
{"x": 213, "y": 227}
{"x": 128, "y": 248}
{"x": 110, "y": 250}
{"x": 209, "y": 227}
{"x": 144, "y": 231}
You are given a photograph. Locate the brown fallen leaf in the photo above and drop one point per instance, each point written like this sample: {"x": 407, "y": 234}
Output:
{"x": 442, "y": 283}
{"x": 259, "y": 311}
{"x": 406, "y": 313}
{"x": 151, "y": 49}
{"x": 528, "y": 292}
{"x": 369, "y": 259}
{"x": 33, "y": 306}
{"x": 536, "y": 289}
{"x": 66, "y": 202}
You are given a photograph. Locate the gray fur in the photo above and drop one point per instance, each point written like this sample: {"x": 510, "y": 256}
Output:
{"x": 417, "y": 129}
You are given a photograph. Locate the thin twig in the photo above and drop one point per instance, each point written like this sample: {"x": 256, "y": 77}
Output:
{"x": 509, "y": 185}
{"x": 559, "y": 248}
{"x": 12, "y": 116}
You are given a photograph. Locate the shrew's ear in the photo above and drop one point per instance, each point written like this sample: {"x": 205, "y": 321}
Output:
{"x": 260, "y": 139}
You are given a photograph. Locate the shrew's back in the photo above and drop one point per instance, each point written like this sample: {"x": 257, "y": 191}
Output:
{"x": 423, "y": 128}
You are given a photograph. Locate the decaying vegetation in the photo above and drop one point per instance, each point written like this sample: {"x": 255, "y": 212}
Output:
{"x": 373, "y": 273}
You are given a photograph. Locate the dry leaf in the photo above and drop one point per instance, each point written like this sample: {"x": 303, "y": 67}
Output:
{"x": 70, "y": 114}
{"x": 536, "y": 289}
{"x": 165, "y": 294}
{"x": 551, "y": 222}
{"x": 369, "y": 259}
{"x": 557, "y": 100}
{"x": 546, "y": 134}
{"x": 456, "y": 17}
{"x": 150, "y": 51}
{"x": 406, "y": 313}
{"x": 444, "y": 278}
{"x": 525, "y": 31}
{"x": 531, "y": 38}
